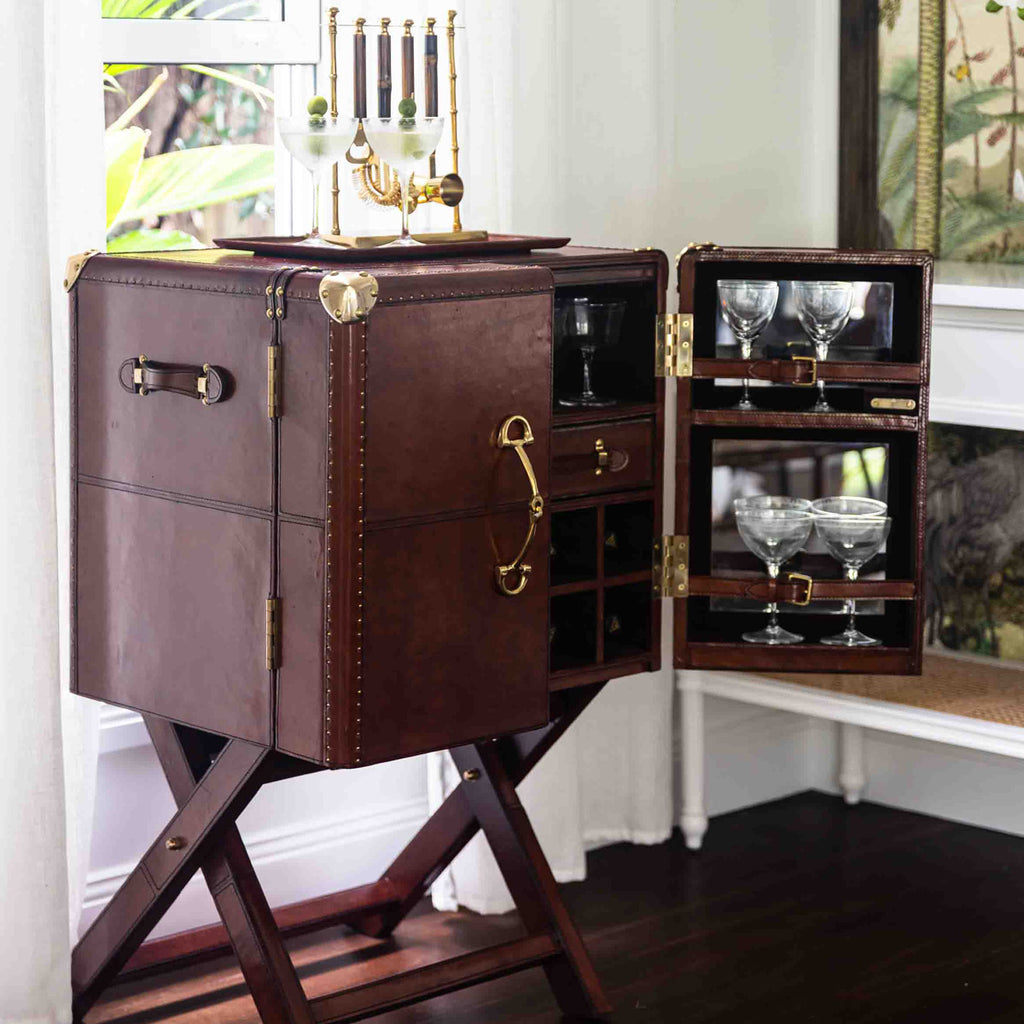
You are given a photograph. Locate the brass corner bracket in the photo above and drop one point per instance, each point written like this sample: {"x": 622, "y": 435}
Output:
{"x": 695, "y": 247}
{"x": 74, "y": 267}
{"x": 348, "y": 297}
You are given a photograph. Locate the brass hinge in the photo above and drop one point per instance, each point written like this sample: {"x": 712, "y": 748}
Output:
{"x": 273, "y": 381}
{"x": 672, "y": 566}
{"x": 673, "y": 345}
{"x": 273, "y": 633}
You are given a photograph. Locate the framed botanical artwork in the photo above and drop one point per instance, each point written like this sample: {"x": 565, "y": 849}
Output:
{"x": 932, "y": 127}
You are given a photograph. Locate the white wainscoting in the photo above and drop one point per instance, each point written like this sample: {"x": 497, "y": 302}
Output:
{"x": 306, "y": 836}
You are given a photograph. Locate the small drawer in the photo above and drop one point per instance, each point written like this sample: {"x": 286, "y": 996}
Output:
{"x": 602, "y": 457}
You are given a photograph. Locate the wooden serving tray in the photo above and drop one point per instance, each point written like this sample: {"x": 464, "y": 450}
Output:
{"x": 295, "y": 246}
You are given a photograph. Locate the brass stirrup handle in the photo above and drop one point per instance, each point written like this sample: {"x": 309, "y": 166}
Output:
{"x": 517, "y": 568}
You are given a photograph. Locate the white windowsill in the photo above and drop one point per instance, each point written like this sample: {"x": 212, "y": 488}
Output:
{"x": 979, "y": 285}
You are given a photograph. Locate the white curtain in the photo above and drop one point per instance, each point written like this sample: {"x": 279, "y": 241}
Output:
{"x": 556, "y": 88}
{"x": 44, "y": 219}
{"x": 629, "y": 126}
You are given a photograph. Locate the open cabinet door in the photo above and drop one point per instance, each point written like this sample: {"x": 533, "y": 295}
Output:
{"x": 844, "y": 414}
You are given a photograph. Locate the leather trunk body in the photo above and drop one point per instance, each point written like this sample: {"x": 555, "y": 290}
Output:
{"x": 374, "y": 506}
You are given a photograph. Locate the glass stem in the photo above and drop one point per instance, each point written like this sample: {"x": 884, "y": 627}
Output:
{"x": 746, "y": 347}
{"x": 403, "y": 180}
{"x": 587, "y": 352}
{"x": 773, "y": 608}
{"x": 821, "y": 351}
{"x": 851, "y": 604}
{"x": 315, "y": 233}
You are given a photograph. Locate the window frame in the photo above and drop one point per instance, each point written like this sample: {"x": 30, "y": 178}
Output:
{"x": 293, "y": 40}
{"x": 292, "y": 47}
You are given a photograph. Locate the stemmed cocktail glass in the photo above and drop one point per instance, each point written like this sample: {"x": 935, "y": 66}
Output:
{"x": 316, "y": 142}
{"x": 823, "y": 309}
{"x": 852, "y": 540}
{"x": 402, "y": 143}
{"x": 590, "y": 325}
{"x": 747, "y": 306}
{"x": 774, "y": 535}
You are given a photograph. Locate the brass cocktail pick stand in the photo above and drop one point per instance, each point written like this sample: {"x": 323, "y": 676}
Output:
{"x": 371, "y": 177}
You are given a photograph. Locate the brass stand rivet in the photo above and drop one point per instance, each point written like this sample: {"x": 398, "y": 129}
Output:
{"x": 176, "y": 843}
{"x": 471, "y": 774}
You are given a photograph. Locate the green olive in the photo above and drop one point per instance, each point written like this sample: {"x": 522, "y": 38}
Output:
{"x": 317, "y": 106}
{"x": 407, "y": 107}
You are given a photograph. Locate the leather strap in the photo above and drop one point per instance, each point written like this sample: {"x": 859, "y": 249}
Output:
{"x": 802, "y": 371}
{"x": 141, "y": 375}
{"x": 795, "y": 591}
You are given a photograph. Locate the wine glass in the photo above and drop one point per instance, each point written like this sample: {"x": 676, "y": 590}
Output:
{"x": 747, "y": 306}
{"x": 591, "y": 325}
{"x": 774, "y": 535}
{"x": 823, "y": 309}
{"x": 852, "y": 541}
{"x": 844, "y": 505}
{"x": 316, "y": 143}
{"x": 402, "y": 143}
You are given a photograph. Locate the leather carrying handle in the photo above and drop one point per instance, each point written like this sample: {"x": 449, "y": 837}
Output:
{"x": 140, "y": 376}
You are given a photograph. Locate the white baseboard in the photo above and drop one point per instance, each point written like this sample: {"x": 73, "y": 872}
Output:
{"x": 294, "y": 862}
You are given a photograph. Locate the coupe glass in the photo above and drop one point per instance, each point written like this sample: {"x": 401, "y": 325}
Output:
{"x": 747, "y": 306}
{"x": 316, "y": 147}
{"x": 771, "y": 501}
{"x": 848, "y": 506}
{"x": 823, "y": 308}
{"x": 591, "y": 325}
{"x": 402, "y": 143}
{"x": 852, "y": 541}
{"x": 774, "y": 535}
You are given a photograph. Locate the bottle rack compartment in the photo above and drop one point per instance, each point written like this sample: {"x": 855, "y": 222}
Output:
{"x": 602, "y": 602}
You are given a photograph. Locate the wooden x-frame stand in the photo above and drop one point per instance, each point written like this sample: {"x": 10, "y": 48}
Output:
{"x": 213, "y": 781}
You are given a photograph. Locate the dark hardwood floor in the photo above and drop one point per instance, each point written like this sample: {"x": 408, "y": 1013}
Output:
{"x": 800, "y": 910}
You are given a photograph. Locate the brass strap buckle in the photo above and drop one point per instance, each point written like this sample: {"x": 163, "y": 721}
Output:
{"x": 517, "y": 567}
{"x": 814, "y": 371}
{"x": 806, "y": 599}
{"x": 202, "y": 383}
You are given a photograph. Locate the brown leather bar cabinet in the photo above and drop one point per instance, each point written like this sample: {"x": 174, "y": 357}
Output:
{"x": 331, "y": 515}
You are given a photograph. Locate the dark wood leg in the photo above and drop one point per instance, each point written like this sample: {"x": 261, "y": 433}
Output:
{"x": 492, "y": 796}
{"x": 189, "y": 838}
{"x": 240, "y": 900}
{"x": 487, "y": 800}
{"x": 454, "y": 824}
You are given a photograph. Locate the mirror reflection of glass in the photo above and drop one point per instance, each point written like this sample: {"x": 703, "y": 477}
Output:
{"x": 752, "y": 469}
{"x": 865, "y": 337}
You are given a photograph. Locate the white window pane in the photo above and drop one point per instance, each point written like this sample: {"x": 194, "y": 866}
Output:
{"x": 190, "y": 154}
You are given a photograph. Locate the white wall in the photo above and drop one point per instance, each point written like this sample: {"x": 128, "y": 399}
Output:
{"x": 679, "y": 122}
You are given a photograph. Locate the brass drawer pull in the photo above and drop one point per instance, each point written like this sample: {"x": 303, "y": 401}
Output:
{"x": 611, "y": 459}
{"x": 517, "y": 569}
